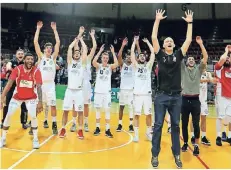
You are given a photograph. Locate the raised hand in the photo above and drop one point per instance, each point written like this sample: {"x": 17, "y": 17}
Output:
{"x": 199, "y": 40}
{"x": 53, "y": 25}
{"x": 81, "y": 30}
{"x": 112, "y": 49}
{"x": 136, "y": 38}
{"x": 189, "y": 16}
{"x": 102, "y": 48}
{"x": 145, "y": 40}
{"x": 228, "y": 48}
{"x": 92, "y": 33}
{"x": 125, "y": 41}
{"x": 39, "y": 24}
{"x": 160, "y": 14}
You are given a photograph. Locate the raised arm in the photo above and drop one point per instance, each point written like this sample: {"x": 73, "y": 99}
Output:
{"x": 115, "y": 64}
{"x": 187, "y": 42}
{"x": 36, "y": 37}
{"x": 138, "y": 46}
{"x": 81, "y": 31}
{"x": 84, "y": 53}
{"x": 70, "y": 48}
{"x": 159, "y": 17}
{"x": 133, "y": 57}
{"x": 57, "y": 45}
{"x": 120, "y": 54}
{"x": 92, "y": 53}
{"x": 152, "y": 56}
{"x": 94, "y": 62}
{"x": 224, "y": 56}
{"x": 204, "y": 52}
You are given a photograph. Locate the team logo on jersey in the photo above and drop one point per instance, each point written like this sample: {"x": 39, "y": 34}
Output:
{"x": 106, "y": 72}
{"x": 50, "y": 62}
{"x": 26, "y": 84}
{"x": 78, "y": 66}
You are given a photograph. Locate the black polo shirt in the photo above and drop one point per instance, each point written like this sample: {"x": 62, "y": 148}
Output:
{"x": 169, "y": 74}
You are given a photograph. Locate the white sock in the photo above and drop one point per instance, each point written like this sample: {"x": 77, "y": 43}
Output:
{"x": 136, "y": 130}
{"x": 46, "y": 112}
{"x": 148, "y": 131}
{"x": 131, "y": 122}
{"x": 218, "y": 134}
{"x": 64, "y": 127}
{"x": 98, "y": 125}
{"x": 203, "y": 134}
{"x": 53, "y": 118}
{"x": 80, "y": 127}
{"x": 169, "y": 125}
{"x": 107, "y": 126}
{"x": 224, "y": 128}
{"x": 218, "y": 127}
{"x": 196, "y": 144}
{"x": 35, "y": 133}
{"x": 85, "y": 120}
{"x": 74, "y": 120}
{"x": 120, "y": 122}
{"x": 4, "y": 133}
{"x": 229, "y": 134}
{"x": 192, "y": 134}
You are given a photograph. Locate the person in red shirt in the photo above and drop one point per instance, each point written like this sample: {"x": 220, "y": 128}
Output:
{"x": 223, "y": 93}
{"x": 27, "y": 77}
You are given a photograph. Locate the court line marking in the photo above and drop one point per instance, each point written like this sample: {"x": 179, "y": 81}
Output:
{"x": 33, "y": 150}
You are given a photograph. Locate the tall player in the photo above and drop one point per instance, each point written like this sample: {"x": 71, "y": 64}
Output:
{"x": 142, "y": 88}
{"x": 47, "y": 66}
{"x": 86, "y": 83}
{"x": 102, "y": 97}
{"x": 26, "y": 77}
{"x": 223, "y": 93}
{"x": 126, "y": 87}
{"x": 74, "y": 92}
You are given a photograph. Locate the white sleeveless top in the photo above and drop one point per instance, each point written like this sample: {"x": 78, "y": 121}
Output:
{"x": 47, "y": 68}
{"x": 127, "y": 77}
{"x": 142, "y": 80}
{"x": 204, "y": 86}
{"x": 103, "y": 79}
{"x": 75, "y": 74}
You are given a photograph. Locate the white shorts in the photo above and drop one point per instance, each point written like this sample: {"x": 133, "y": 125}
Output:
{"x": 223, "y": 106}
{"x": 49, "y": 94}
{"x": 102, "y": 100}
{"x": 87, "y": 92}
{"x": 204, "y": 109}
{"x": 126, "y": 97}
{"x": 143, "y": 101}
{"x": 73, "y": 97}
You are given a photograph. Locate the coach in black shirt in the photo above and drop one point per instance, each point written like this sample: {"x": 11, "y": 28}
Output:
{"x": 168, "y": 97}
{"x": 13, "y": 63}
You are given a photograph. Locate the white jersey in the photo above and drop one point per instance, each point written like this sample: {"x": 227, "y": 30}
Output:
{"x": 142, "y": 80}
{"x": 87, "y": 72}
{"x": 75, "y": 74}
{"x": 127, "y": 77}
{"x": 47, "y": 68}
{"x": 103, "y": 79}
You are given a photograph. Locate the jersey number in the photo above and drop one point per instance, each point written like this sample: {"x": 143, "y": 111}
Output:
{"x": 140, "y": 70}
{"x": 44, "y": 62}
{"x": 101, "y": 71}
{"x": 74, "y": 65}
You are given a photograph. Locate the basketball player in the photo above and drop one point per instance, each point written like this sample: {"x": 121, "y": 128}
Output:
{"x": 74, "y": 92}
{"x": 10, "y": 66}
{"x": 47, "y": 66}
{"x": 26, "y": 77}
{"x": 142, "y": 88}
{"x": 126, "y": 87}
{"x": 206, "y": 77}
{"x": 86, "y": 83}
{"x": 102, "y": 96}
{"x": 223, "y": 93}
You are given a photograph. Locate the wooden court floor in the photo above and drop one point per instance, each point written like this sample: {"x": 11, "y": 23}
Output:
{"x": 102, "y": 152}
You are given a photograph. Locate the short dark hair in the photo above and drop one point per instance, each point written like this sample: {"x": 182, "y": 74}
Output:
{"x": 28, "y": 54}
{"x": 48, "y": 44}
{"x": 19, "y": 50}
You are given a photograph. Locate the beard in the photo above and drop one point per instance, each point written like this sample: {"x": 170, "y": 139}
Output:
{"x": 227, "y": 64}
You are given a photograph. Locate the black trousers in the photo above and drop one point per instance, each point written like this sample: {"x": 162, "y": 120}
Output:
{"x": 24, "y": 114}
{"x": 190, "y": 105}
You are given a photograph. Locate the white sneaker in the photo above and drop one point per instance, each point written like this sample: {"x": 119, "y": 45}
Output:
{"x": 73, "y": 128}
{"x": 86, "y": 129}
{"x": 136, "y": 139}
{"x": 149, "y": 136}
{"x": 2, "y": 142}
{"x": 36, "y": 144}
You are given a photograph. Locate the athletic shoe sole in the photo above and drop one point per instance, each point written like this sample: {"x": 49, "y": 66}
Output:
{"x": 208, "y": 144}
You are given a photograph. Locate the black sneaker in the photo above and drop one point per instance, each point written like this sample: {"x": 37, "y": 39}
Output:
{"x": 54, "y": 128}
{"x": 108, "y": 133}
{"x": 229, "y": 141}
{"x": 169, "y": 130}
{"x": 24, "y": 126}
{"x": 29, "y": 124}
{"x": 193, "y": 140}
{"x": 205, "y": 141}
{"x": 97, "y": 131}
{"x": 196, "y": 150}
{"x": 224, "y": 137}
{"x": 131, "y": 129}
{"x": 45, "y": 124}
{"x": 119, "y": 128}
{"x": 30, "y": 131}
{"x": 184, "y": 147}
{"x": 155, "y": 162}
{"x": 178, "y": 161}
{"x": 218, "y": 141}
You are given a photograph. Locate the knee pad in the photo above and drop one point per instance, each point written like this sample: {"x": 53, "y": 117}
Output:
{"x": 97, "y": 113}
{"x": 34, "y": 122}
{"x": 107, "y": 114}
